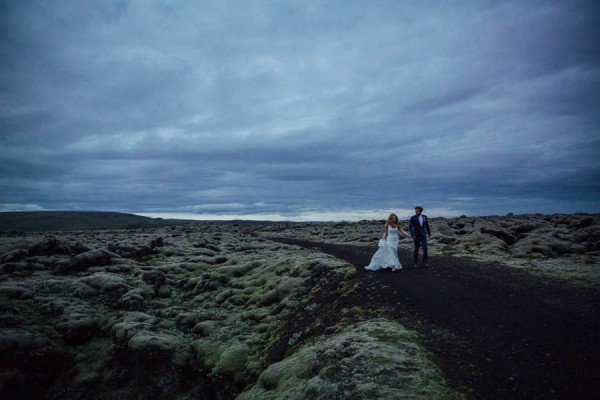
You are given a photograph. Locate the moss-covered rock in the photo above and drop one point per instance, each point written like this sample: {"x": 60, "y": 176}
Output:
{"x": 378, "y": 359}
{"x": 105, "y": 282}
{"x": 232, "y": 362}
{"x": 217, "y": 306}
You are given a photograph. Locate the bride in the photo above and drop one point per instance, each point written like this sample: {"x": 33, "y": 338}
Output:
{"x": 387, "y": 254}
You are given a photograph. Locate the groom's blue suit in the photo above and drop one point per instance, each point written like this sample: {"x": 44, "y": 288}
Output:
{"x": 419, "y": 233}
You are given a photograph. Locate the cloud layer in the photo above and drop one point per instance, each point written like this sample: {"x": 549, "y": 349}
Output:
{"x": 293, "y": 108}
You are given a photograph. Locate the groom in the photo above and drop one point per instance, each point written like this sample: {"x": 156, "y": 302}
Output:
{"x": 419, "y": 231}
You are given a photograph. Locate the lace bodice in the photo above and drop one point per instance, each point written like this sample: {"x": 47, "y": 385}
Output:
{"x": 392, "y": 234}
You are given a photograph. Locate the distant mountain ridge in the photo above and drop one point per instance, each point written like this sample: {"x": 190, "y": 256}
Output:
{"x": 43, "y": 221}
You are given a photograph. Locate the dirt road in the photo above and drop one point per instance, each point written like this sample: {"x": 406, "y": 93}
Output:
{"x": 496, "y": 332}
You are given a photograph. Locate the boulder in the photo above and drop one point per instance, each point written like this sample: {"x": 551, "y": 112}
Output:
{"x": 130, "y": 251}
{"x": 502, "y": 235}
{"x": 204, "y": 328}
{"x": 14, "y": 256}
{"x": 149, "y": 342}
{"x": 11, "y": 267}
{"x": 155, "y": 278}
{"x": 56, "y": 246}
{"x": 105, "y": 282}
{"x": 82, "y": 261}
{"x": 134, "y": 299}
{"x": 232, "y": 362}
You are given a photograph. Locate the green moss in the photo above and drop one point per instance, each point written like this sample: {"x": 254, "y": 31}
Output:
{"x": 384, "y": 336}
{"x": 232, "y": 362}
{"x": 207, "y": 354}
{"x": 375, "y": 359}
{"x": 254, "y": 315}
{"x": 356, "y": 310}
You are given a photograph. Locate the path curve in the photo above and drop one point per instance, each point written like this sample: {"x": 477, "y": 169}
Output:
{"x": 497, "y": 332}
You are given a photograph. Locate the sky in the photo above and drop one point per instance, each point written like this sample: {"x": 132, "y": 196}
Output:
{"x": 300, "y": 110}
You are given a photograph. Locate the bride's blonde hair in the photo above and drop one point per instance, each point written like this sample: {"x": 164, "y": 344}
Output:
{"x": 391, "y": 220}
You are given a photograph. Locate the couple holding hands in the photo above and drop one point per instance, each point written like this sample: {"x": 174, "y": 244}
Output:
{"x": 387, "y": 254}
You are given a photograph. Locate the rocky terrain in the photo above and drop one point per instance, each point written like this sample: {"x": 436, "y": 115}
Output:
{"x": 561, "y": 245}
{"x": 207, "y": 311}
{"x": 198, "y": 311}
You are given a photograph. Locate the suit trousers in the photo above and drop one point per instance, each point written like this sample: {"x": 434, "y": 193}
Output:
{"x": 420, "y": 240}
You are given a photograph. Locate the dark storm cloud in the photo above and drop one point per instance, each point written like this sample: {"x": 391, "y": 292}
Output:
{"x": 294, "y": 108}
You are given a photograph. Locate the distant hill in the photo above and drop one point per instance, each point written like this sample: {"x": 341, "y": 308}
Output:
{"x": 42, "y": 221}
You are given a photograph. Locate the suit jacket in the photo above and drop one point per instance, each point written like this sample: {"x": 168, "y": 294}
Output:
{"x": 415, "y": 227}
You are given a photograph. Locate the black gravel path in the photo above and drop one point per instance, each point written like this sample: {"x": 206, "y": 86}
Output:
{"x": 496, "y": 332}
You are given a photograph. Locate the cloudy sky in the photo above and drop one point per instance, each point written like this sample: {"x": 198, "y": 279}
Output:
{"x": 300, "y": 109}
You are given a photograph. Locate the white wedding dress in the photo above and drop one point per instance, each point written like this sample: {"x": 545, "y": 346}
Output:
{"x": 387, "y": 255}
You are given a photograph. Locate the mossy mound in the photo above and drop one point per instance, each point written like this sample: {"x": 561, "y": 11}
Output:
{"x": 377, "y": 359}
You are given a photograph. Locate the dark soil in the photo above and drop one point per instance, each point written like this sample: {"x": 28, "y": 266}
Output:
{"x": 496, "y": 332}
